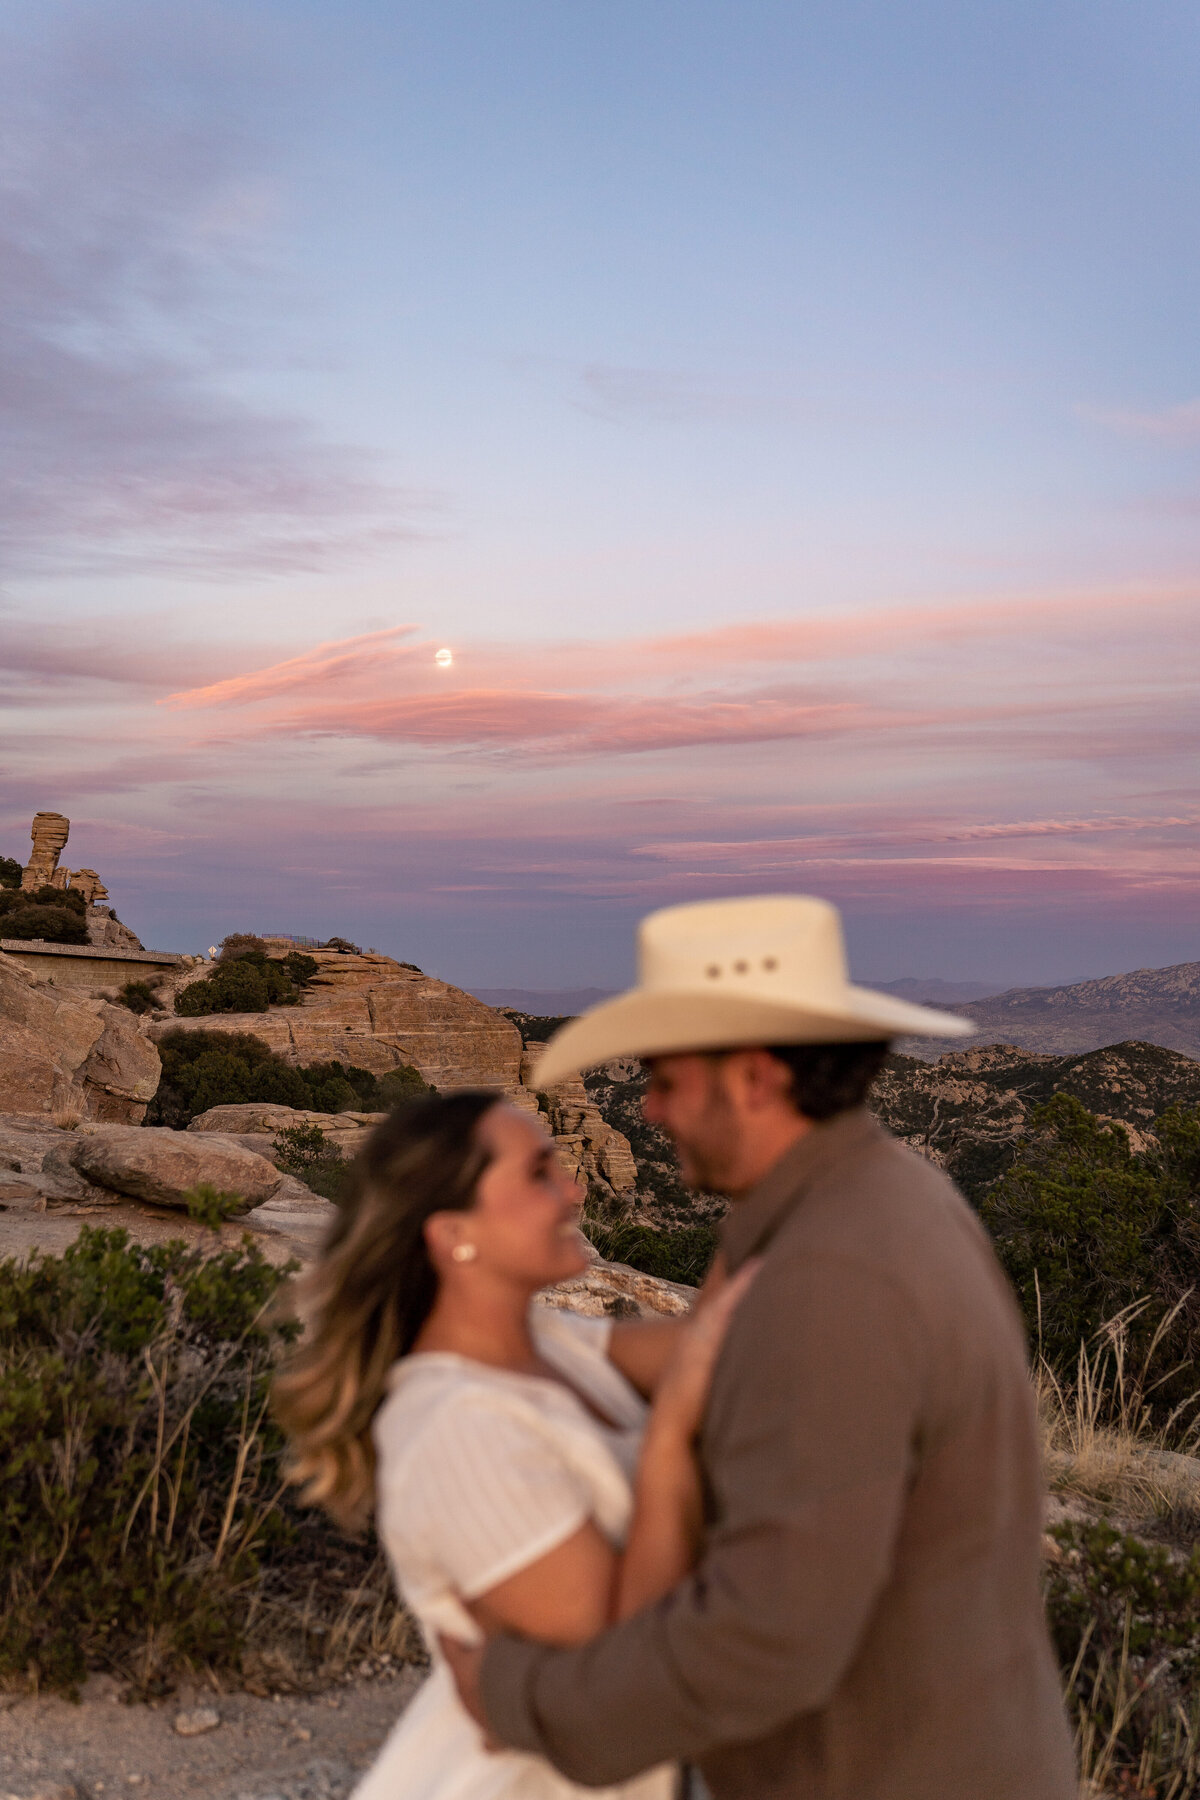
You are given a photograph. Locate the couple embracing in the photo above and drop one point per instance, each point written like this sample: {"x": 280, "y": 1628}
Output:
{"x": 786, "y": 1549}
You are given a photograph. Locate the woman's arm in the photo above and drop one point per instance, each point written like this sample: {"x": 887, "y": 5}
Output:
{"x": 642, "y": 1348}
{"x": 582, "y": 1585}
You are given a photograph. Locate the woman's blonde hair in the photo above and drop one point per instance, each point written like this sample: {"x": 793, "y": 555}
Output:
{"x": 370, "y": 1291}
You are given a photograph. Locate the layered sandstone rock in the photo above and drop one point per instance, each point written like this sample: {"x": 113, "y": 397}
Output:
{"x": 371, "y": 1012}
{"x": 59, "y": 1050}
{"x": 597, "y": 1153}
{"x": 620, "y": 1292}
{"x": 257, "y": 1124}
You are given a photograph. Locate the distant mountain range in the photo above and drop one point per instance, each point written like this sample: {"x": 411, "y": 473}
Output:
{"x": 544, "y": 1003}
{"x": 1150, "y": 1006}
{"x": 932, "y": 992}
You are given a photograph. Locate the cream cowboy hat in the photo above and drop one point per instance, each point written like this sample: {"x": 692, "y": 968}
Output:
{"x": 767, "y": 970}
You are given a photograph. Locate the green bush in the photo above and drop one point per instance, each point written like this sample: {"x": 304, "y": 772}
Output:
{"x": 144, "y": 1526}
{"x": 138, "y": 996}
{"x": 220, "y": 1068}
{"x": 228, "y": 1068}
{"x": 1086, "y": 1228}
{"x": 133, "y": 1520}
{"x": 249, "y": 981}
{"x": 237, "y": 943}
{"x": 207, "y": 1205}
{"x": 306, "y": 1152}
{"x": 10, "y": 872}
{"x": 55, "y": 914}
{"x": 682, "y": 1254}
{"x": 1125, "y": 1617}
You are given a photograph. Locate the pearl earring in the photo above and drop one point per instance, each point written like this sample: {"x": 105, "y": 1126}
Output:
{"x": 464, "y": 1253}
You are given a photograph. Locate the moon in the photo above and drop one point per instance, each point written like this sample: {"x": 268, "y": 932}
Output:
{"x": 444, "y": 658}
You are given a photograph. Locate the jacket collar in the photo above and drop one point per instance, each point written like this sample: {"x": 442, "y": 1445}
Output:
{"x": 750, "y": 1224}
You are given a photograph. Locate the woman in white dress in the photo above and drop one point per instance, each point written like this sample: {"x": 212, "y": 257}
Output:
{"x": 529, "y": 1470}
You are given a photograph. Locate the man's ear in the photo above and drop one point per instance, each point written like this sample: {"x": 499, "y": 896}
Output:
{"x": 767, "y": 1081}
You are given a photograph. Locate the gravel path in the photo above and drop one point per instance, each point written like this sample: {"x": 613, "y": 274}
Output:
{"x": 287, "y": 1748}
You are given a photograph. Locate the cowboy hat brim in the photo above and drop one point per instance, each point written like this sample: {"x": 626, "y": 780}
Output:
{"x": 661, "y": 1022}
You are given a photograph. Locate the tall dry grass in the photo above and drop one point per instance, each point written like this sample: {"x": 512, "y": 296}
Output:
{"x": 1114, "y": 1460}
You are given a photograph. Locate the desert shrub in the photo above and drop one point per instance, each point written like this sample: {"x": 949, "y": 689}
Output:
{"x": 341, "y": 943}
{"x": 26, "y": 917}
{"x": 1086, "y": 1228}
{"x": 1125, "y": 1617}
{"x": 306, "y": 1152}
{"x": 207, "y": 1205}
{"x": 220, "y": 1068}
{"x": 682, "y": 1254}
{"x": 249, "y": 981}
{"x": 393, "y": 1088}
{"x": 138, "y": 996}
{"x": 228, "y": 1068}
{"x": 10, "y": 872}
{"x": 237, "y": 943}
{"x": 144, "y": 1526}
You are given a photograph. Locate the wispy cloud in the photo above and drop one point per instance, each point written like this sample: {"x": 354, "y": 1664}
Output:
{"x": 1177, "y": 424}
{"x": 322, "y": 667}
{"x": 135, "y": 244}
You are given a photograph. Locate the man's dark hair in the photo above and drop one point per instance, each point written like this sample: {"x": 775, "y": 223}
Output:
{"x": 828, "y": 1079}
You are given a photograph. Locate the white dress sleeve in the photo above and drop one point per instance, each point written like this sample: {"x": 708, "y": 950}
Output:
{"x": 486, "y": 1493}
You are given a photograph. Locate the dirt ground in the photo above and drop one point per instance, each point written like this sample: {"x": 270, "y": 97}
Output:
{"x": 285, "y": 1748}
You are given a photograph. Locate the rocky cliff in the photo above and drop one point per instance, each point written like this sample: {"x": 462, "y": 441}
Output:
{"x": 62, "y": 1052}
{"x": 373, "y": 1012}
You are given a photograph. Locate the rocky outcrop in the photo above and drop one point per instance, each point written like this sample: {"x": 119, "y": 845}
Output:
{"x": 60, "y": 1050}
{"x": 371, "y": 1012}
{"x": 594, "y": 1150}
{"x": 161, "y": 1166}
{"x": 620, "y": 1292}
{"x": 968, "y": 1110}
{"x": 256, "y": 1125}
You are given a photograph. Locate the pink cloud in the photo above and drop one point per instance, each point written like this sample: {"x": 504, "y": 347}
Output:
{"x": 321, "y": 667}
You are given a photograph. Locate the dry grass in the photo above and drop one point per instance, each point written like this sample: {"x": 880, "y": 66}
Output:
{"x": 69, "y": 1112}
{"x": 1103, "y": 1446}
{"x": 1110, "y": 1457}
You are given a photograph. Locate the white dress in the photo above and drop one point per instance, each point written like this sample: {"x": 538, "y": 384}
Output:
{"x": 479, "y": 1473}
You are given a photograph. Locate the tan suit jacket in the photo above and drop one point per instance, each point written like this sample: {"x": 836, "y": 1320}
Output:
{"x": 866, "y": 1622}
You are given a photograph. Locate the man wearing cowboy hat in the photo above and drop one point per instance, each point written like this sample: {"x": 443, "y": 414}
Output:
{"x": 865, "y": 1621}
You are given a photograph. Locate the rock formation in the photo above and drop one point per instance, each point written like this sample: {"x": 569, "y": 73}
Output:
{"x": 255, "y": 1125}
{"x": 49, "y": 833}
{"x": 59, "y": 1050}
{"x": 161, "y": 1166}
{"x": 596, "y": 1152}
{"x": 371, "y": 1012}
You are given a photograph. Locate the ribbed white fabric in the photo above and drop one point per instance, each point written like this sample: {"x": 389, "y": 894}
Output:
{"x": 479, "y": 1473}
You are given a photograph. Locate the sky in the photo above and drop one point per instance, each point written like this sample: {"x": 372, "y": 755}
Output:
{"x": 787, "y": 416}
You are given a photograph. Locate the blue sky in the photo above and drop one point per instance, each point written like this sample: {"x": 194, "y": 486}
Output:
{"x": 790, "y": 417}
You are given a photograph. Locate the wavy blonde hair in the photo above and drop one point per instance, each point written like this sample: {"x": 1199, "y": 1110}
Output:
{"x": 370, "y": 1291}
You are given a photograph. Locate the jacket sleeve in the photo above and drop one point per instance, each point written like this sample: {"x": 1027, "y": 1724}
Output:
{"x": 809, "y": 1447}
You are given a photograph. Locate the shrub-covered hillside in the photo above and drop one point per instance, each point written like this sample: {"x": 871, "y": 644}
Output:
{"x": 145, "y": 1528}
{"x": 55, "y": 915}
{"x": 228, "y": 1068}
